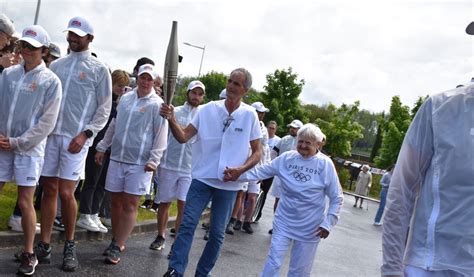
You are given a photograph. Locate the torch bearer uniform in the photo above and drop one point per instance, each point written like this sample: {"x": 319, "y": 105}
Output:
{"x": 138, "y": 137}
{"x": 29, "y": 106}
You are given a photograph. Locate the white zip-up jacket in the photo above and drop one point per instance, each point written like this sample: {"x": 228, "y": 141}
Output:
{"x": 29, "y": 106}
{"x": 178, "y": 156}
{"x": 87, "y": 94}
{"x": 432, "y": 189}
{"x": 138, "y": 133}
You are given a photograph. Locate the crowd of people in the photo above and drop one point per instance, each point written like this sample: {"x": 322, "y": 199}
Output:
{"x": 66, "y": 119}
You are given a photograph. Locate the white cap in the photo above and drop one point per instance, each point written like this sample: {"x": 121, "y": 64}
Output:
{"x": 295, "y": 124}
{"x": 223, "y": 94}
{"x": 147, "y": 68}
{"x": 80, "y": 26}
{"x": 259, "y": 107}
{"x": 54, "y": 50}
{"x": 36, "y": 36}
{"x": 6, "y": 25}
{"x": 196, "y": 84}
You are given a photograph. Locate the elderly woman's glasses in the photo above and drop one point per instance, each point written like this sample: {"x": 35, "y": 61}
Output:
{"x": 227, "y": 122}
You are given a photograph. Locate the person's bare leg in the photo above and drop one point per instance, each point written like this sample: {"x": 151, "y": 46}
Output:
{"x": 251, "y": 202}
{"x": 116, "y": 210}
{"x": 48, "y": 207}
{"x": 28, "y": 215}
{"x": 127, "y": 219}
{"x": 162, "y": 218}
{"x": 68, "y": 206}
{"x": 179, "y": 217}
{"x": 238, "y": 205}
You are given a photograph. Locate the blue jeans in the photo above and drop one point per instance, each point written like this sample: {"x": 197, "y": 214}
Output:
{"x": 383, "y": 198}
{"x": 199, "y": 195}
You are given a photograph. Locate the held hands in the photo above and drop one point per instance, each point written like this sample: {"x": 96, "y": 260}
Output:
{"x": 77, "y": 143}
{"x": 99, "y": 157}
{"x": 232, "y": 173}
{"x": 322, "y": 233}
{"x": 150, "y": 167}
{"x": 167, "y": 111}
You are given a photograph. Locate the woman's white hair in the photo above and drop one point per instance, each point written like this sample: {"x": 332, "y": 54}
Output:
{"x": 311, "y": 132}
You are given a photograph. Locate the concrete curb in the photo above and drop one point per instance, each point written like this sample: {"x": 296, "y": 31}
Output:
{"x": 11, "y": 239}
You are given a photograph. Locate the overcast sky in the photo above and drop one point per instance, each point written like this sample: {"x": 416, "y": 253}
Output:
{"x": 344, "y": 50}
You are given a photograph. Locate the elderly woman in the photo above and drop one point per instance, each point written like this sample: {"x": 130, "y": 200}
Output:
{"x": 307, "y": 176}
{"x": 364, "y": 182}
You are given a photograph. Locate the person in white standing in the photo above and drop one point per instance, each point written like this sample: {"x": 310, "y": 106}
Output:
{"x": 30, "y": 96}
{"x": 174, "y": 173}
{"x": 84, "y": 111}
{"x": 428, "y": 228}
{"x": 307, "y": 178}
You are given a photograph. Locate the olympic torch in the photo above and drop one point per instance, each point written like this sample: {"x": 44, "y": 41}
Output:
{"x": 171, "y": 65}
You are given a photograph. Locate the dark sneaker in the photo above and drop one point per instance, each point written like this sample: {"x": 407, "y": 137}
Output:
{"x": 238, "y": 225}
{"x": 113, "y": 256}
{"x": 205, "y": 225}
{"x": 43, "y": 252}
{"x": 58, "y": 225}
{"x": 146, "y": 204}
{"x": 158, "y": 244}
{"x": 70, "y": 262}
{"x": 206, "y": 235}
{"x": 154, "y": 207}
{"x": 28, "y": 263}
{"x": 228, "y": 229}
{"x": 172, "y": 232}
{"x": 270, "y": 231}
{"x": 247, "y": 228}
{"x": 172, "y": 273}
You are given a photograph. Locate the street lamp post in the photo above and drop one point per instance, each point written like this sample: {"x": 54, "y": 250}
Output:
{"x": 38, "y": 5}
{"x": 203, "y": 48}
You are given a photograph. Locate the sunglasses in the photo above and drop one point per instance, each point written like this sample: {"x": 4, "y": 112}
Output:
{"x": 227, "y": 122}
{"x": 26, "y": 45}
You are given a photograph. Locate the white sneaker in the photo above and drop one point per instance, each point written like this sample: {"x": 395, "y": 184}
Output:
{"x": 96, "y": 219}
{"x": 378, "y": 223}
{"x": 85, "y": 221}
{"x": 14, "y": 222}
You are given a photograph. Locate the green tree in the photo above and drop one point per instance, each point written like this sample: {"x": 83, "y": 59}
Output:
{"x": 281, "y": 97}
{"x": 341, "y": 129}
{"x": 318, "y": 112}
{"x": 394, "y": 133}
{"x": 378, "y": 136}
{"x": 215, "y": 82}
{"x": 368, "y": 120}
{"x": 418, "y": 104}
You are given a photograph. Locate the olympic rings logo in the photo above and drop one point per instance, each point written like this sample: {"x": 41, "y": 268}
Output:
{"x": 300, "y": 177}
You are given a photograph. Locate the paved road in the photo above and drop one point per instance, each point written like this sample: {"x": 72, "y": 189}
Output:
{"x": 352, "y": 249}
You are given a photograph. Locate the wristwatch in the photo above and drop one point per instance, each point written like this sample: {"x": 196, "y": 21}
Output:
{"x": 88, "y": 133}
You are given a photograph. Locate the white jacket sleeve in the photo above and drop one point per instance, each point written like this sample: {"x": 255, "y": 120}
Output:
{"x": 45, "y": 125}
{"x": 336, "y": 199}
{"x": 106, "y": 142}
{"x": 104, "y": 103}
{"x": 413, "y": 161}
{"x": 160, "y": 129}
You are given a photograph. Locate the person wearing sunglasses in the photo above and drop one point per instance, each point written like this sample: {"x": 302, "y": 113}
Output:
{"x": 30, "y": 97}
{"x": 7, "y": 29}
{"x": 223, "y": 131}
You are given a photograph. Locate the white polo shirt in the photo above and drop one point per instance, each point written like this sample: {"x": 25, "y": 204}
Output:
{"x": 219, "y": 145}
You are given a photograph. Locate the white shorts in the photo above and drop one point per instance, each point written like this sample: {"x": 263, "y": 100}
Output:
{"x": 251, "y": 187}
{"x": 58, "y": 162}
{"x": 172, "y": 185}
{"x": 129, "y": 178}
{"x": 276, "y": 187}
{"x": 24, "y": 170}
